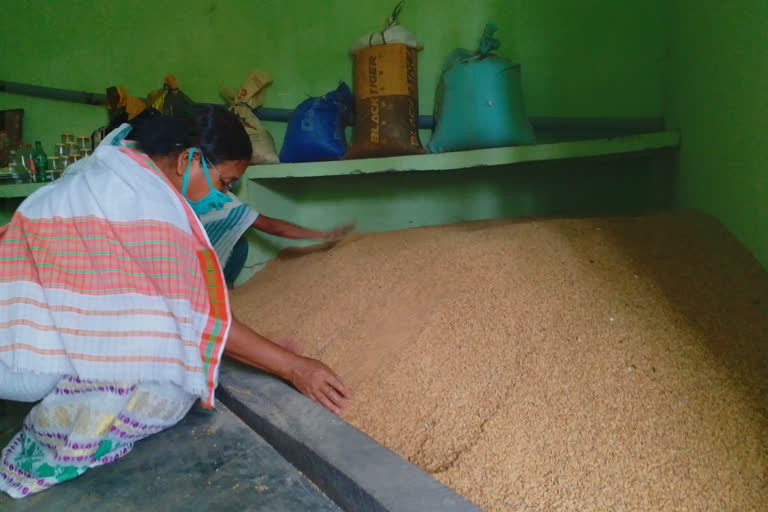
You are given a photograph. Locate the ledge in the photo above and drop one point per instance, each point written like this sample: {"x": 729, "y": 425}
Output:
{"x": 648, "y": 142}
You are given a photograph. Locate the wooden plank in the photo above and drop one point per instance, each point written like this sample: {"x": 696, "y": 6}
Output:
{"x": 476, "y": 158}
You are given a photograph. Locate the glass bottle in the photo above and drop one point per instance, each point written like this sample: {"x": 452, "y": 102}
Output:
{"x": 27, "y": 161}
{"x": 19, "y": 173}
{"x": 83, "y": 142}
{"x": 53, "y": 167}
{"x": 41, "y": 162}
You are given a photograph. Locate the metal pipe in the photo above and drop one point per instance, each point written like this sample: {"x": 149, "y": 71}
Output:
{"x": 38, "y": 91}
{"x": 553, "y": 126}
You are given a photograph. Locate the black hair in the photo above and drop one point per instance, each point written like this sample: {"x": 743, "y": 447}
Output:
{"x": 216, "y": 131}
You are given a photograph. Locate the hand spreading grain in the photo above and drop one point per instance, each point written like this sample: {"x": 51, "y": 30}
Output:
{"x": 318, "y": 382}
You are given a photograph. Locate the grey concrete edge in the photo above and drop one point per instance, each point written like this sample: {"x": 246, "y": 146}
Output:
{"x": 351, "y": 468}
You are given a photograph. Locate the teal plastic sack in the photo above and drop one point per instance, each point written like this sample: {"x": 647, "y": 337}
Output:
{"x": 479, "y": 101}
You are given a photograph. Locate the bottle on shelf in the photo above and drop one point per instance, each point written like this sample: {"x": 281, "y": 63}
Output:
{"x": 41, "y": 162}
{"x": 19, "y": 173}
{"x": 29, "y": 161}
{"x": 54, "y": 167}
{"x": 21, "y": 154}
{"x": 83, "y": 142}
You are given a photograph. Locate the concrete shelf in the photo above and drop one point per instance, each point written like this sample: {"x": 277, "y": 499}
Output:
{"x": 643, "y": 143}
{"x": 647, "y": 142}
{"x": 21, "y": 190}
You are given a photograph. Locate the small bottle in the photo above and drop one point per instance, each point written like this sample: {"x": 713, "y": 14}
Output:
{"x": 53, "y": 165}
{"x": 19, "y": 174}
{"x": 41, "y": 159}
{"x": 83, "y": 142}
{"x": 29, "y": 162}
{"x": 21, "y": 154}
{"x": 41, "y": 162}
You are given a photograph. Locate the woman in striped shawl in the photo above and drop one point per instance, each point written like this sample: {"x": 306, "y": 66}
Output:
{"x": 114, "y": 312}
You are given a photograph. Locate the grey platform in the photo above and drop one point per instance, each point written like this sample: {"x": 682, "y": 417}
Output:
{"x": 211, "y": 461}
{"x": 265, "y": 448}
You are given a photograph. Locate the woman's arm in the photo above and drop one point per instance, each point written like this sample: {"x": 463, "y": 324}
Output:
{"x": 285, "y": 229}
{"x": 311, "y": 377}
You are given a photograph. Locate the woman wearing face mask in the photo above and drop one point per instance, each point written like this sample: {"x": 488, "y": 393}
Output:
{"x": 227, "y": 219}
{"x": 113, "y": 304}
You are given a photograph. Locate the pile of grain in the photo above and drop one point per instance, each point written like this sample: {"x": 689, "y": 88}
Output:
{"x": 598, "y": 364}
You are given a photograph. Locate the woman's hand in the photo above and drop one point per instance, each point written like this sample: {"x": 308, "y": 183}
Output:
{"x": 283, "y": 358}
{"x": 318, "y": 382}
{"x": 285, "y": 229}
{"x": 339, "y": 232}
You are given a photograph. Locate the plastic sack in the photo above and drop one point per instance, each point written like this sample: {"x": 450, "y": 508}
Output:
{"x": 386, "y": 99}
{"x": 479, "y": 101}
{"x": 121, "y": 108}
{"x": 169, "y": 100}
{"x": 121, "y": 104}
{"x": 316, "y": 129}
{"x": 392, "y": 33}
{"x": 242, "y": 103}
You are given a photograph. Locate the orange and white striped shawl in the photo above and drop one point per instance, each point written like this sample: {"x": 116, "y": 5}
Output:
{"x": 107, "y": 274}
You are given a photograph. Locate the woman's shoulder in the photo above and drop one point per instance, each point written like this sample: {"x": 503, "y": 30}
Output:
{"x": 114, "y": 183}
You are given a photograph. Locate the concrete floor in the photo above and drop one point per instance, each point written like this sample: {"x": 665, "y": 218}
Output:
{"x": 209, "y": 461}
{"x": 265, "y": 447}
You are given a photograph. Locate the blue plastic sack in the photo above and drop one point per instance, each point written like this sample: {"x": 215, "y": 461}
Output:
{"x": 479, "y": 102}
{"x": 316, "y": 129}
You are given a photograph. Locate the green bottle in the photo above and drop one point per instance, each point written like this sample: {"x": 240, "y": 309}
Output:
{"x": 41, "y": 162}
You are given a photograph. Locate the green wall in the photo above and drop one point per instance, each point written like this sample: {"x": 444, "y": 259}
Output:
{"x": 390, "y": 201}
{"x": 579, "y": 59}
{"x": 587, "y": 58}
{"x": 718, "y": 70}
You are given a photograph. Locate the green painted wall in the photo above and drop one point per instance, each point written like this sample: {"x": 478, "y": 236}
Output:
{"x": 718, "y": 69}
{"x": 389, "y": 201}
{"x": 588, "y": 58}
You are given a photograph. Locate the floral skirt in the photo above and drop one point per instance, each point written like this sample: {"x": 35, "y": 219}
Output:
{"x": 83, "y": 424}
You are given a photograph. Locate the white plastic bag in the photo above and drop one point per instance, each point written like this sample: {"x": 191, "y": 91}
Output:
{"x": 392, "y": 33}
{"x": 242, "y": 103}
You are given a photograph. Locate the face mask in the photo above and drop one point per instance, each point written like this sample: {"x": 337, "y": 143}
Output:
{"x": 214, "y": 200}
